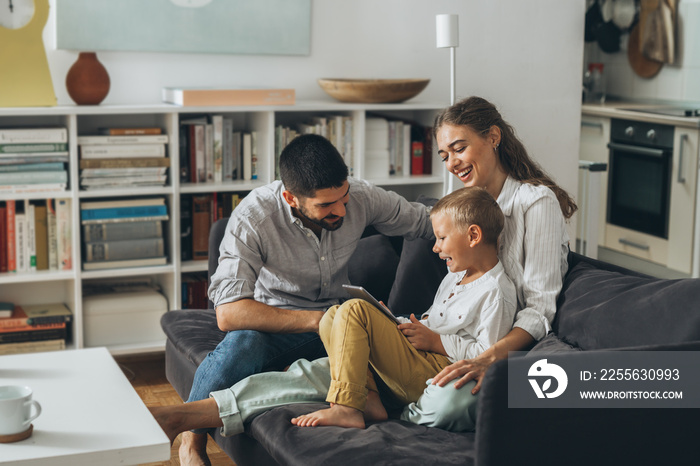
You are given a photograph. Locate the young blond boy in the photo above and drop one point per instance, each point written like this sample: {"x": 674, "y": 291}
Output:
{"x": 473, "y": 308}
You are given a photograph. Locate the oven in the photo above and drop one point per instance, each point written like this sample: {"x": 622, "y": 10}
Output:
{"x": 639, "y": 182}
{"x": 652, "y": 195}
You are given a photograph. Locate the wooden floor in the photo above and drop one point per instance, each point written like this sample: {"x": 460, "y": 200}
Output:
{"x": 147, "y": 374}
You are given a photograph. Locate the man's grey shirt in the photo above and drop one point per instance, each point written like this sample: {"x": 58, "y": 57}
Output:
{"x": 268, "y": 255}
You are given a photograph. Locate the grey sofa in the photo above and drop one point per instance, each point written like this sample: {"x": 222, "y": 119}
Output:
{"x": 600, "y": 307}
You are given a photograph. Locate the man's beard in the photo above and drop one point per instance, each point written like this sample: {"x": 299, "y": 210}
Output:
{"x": 322, "y": 222}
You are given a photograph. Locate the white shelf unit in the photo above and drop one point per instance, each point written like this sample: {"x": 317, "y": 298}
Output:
{"x": 67, "y": 286}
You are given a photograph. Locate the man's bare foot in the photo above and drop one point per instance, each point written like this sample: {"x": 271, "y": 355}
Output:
{"x": 193, "y": 450}
{"x": 374, "y": 409}
{"x": 336, "y": 415}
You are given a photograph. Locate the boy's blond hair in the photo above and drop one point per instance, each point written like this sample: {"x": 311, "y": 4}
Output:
{"x": 472, "y": 206}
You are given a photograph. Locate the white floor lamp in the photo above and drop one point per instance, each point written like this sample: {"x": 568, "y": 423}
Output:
{"x": 447, "y": 27}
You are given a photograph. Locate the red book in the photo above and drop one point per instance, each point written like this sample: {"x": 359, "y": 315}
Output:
{"x": 11, "y": 239}
{"x": 416, "y": 158}
{"x": 3, "y": 238}
{"x": 18, "y": 323}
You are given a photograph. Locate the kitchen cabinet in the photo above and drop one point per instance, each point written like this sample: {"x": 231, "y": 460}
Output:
{"x": 67, "y": 286}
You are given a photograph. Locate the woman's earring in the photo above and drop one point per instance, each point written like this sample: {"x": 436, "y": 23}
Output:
{"x": 495, "y": 149}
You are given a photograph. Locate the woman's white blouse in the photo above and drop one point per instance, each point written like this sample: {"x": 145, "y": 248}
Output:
{"x": 533, "y": 248}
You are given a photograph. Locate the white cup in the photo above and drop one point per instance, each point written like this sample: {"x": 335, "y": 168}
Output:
{"x": 15, "y": 409}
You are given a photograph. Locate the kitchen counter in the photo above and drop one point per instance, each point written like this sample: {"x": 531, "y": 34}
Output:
{"x": 620, "y": 109}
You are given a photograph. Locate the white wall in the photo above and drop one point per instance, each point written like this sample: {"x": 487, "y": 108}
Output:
{"x": 523, "y": 56}
{"x": 677, "y": 82}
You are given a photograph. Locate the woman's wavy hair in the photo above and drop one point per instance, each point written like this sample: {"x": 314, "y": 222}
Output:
{"x": 480, "y": 115}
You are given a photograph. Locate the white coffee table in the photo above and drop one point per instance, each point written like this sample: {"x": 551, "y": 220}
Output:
{"x": 90, "y": 412}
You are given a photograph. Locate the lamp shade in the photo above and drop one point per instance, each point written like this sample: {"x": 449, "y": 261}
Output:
{"x": 447, "y": 27}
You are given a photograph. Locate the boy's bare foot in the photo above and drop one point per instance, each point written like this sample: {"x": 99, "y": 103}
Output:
{"x": 336, "y": 415}
{"x": 374, "y": 409}
{"x": 193, "y": 450}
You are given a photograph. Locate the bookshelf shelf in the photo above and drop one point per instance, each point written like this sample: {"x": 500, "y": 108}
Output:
{"x": 67, "y": 285}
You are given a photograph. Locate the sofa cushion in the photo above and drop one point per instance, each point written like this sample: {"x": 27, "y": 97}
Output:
{"x": 551, "y": 344}
{"x": 389, "y": 442}
{"x": 418, "y": 276}
{"x": 193, "y": 332}
{"x": 600, "y": 309}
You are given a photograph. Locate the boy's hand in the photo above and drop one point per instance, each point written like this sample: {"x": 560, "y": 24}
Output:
{"x": 421, "y": 337}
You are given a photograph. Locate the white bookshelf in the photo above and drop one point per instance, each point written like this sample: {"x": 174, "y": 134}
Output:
{"x": 66, "y": 286}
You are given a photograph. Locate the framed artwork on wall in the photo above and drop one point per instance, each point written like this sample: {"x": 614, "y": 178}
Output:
{"x": 260, "y": 27}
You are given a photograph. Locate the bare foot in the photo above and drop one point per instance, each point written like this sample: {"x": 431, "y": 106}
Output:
{"x": 374, "y": 409}
{"x": 193, "y": 450}
{"x": 336, "y": 415}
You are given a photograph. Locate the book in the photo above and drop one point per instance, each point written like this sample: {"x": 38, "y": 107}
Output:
{"x": 34, "y": 177}
{"x": 145, "y": 162}
{"x": 217, "y": 123}
{"x": 31, "y": 235}
{"x": 122, "y": 250}
{"x": 32, "y": 188}
{"x": 36, "y": 317}
{"x": 220, "y": 96}
{"x": 33, "y": 135}
{"x": 32, "y": 167}
{"x": 32, "y": 346}
{"x": 106, "y": 151}
{"x": 186, "y": 228}
{"x": 121, "y": 231}
{"x": 135, "y": 202}
{"x": 52, "y": 234}
{"x": 3, "y": 237}
{"x": 21, "y": 237}
{"x": 10, "y": 209}
{"x": 122, "y": 172}
{"x": 136, "y": 180}
{"x": 201, "y": 222}
{"x": 129, "y": 131}
{"x": 247, "y": 154}
{"x": 152, "y": 212}
{"x": 6, "y": 309}
{"x": 126, "y": 139}
{"x": 236, "y": 154}
{"x": 199, "y": 154}
{"x": 254, "y": 155}
{"x": 151, "y": 261}
{"x": 45, "y": 147}
{"x": 184, "y": 154}
{"x": 228, "y": 151}
{"x": 41, "y": 237}
{"x": 209, "y": 152}
{"x": 34, "y": 335}
{"x": 34, "y": 157}
{"x": 64, "y": 234}
{"x": 417, "y": 158}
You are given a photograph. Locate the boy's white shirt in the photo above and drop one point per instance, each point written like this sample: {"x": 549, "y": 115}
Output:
{"x": 476, "y": 316}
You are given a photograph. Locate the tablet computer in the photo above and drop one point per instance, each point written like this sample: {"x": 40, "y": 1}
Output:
{"x": 360, "y": 292}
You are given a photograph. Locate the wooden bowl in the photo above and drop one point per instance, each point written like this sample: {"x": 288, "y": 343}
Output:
{"x": 373, "y": 90}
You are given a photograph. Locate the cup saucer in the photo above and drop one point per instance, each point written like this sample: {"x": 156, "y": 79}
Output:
{"x": 10, "y": 438}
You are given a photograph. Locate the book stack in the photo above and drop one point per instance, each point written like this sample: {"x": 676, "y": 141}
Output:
{"x": 123, "y": 158}
{"x": 197, "y": 214}
{"x": 35, "y": 235}
{"x": 123, "y": 233}
{"x": 211, "y": 150}
{"x": 336, "y": 128}
{"x": 33, "y": 160}
{"x": 34, "y": 328}
{"x": 397, "y": 148}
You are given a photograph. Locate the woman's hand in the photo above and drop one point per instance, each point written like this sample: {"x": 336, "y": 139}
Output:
{"x": 421, "y": 337}
{"x": 465, "y": 370}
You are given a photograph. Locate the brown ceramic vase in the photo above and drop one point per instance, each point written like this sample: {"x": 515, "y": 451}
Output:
{"x": 87, "y": 81}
